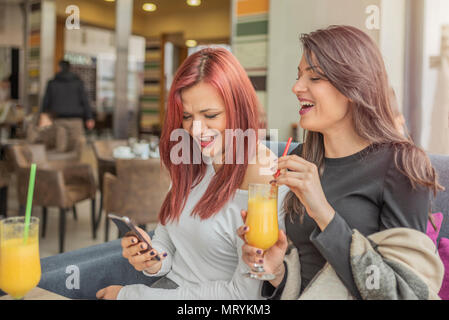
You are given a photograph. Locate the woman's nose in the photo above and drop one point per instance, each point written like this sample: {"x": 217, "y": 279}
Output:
{"x": 198, "y": 127}
{"x": 299, "y": 87}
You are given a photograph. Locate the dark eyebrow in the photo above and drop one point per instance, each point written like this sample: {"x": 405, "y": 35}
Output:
{"x": 308, "y": 68}
{"x": 205, "y": 110}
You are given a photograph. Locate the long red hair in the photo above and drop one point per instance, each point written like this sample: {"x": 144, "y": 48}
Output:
{"x": 219, "y": 68}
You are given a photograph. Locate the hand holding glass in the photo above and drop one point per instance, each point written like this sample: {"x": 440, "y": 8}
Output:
{"x": 262, "y": 220}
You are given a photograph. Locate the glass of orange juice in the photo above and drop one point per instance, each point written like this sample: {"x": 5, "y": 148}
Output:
{"x": 262, "y": 220}
{"x": 20, "y": 268}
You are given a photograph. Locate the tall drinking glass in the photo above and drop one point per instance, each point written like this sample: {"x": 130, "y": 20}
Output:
{"x": 262, "y": 220}
{"x": 20, "y": 268}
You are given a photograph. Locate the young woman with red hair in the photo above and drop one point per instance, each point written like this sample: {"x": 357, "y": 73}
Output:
{"x": 200, "y": 253}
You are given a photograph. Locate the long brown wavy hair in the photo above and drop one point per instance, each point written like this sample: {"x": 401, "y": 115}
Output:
{"x": 351, "y": 61}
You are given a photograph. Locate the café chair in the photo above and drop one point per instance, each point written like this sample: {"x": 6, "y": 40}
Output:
{"x": 5, "y": 178}
{"x": 64, "y": 140}
{"x": 137, "y": 191}
{"x": 103, "y": 150}
{"x": 57, "y": 184}
{"x": 11, "y": 118}
{"x": 70, "y": 140}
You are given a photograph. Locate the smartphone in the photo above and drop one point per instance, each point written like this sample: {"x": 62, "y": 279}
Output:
{"x": 127, "y": 228}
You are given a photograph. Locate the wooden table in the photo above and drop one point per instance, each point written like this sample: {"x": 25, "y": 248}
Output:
{"x": 38, "y": 294}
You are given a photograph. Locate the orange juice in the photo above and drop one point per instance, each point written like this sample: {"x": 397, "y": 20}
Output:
{"x": 262, "y": 221}
{"x": 20, "y": 269}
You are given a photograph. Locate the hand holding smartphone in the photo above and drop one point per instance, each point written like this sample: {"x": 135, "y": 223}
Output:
{"x": 127, "y": 228}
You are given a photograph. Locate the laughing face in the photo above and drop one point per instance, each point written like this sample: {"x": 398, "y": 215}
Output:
{"x": 204, "y": 117}
{"x": 322, "y": 106}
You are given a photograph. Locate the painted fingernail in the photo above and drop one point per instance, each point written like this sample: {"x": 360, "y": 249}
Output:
{"x": 142, "y": 245}
{"x": 245, "y": 228}
{"x": 260, "y": 261}
{"x": 133, "y": 240}
{"x": 152, "y": 253}
{"x": 165, "y": 254}
{"x": 259, "y": 251}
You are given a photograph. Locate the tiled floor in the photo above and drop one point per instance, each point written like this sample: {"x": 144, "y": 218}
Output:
{"x": 79, "y": 232}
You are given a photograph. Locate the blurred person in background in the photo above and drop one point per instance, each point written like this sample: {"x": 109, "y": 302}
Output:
{"x": 65, "y": 97}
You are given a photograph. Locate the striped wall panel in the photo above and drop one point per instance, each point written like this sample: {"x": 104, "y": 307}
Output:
{"x": 34, "y": 52}
{"x": 251, "y": 7}
{"x": 150, "y": 105}
{"x": 252, "y": 28}
{"x": 250, "y": 43}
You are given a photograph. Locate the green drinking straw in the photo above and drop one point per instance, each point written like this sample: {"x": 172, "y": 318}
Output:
{"x": 29, "y": 202}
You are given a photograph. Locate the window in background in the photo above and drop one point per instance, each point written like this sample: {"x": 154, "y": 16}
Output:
{"x": 435, "y": 81}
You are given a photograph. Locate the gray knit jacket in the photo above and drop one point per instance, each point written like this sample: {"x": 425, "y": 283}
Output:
{"x": 394, "y": 264}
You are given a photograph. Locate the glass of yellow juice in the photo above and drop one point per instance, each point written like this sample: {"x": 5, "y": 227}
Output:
{"x": 20, "y": 268}
{"x": 262, "y": 220}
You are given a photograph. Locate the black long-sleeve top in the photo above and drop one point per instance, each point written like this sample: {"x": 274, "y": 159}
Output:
{"x": 368, "y": 193}
{"x": 66, "y": 97}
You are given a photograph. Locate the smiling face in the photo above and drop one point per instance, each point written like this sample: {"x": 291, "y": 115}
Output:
{"x": 322, "y": 106}
{"x": 204, "y": 118}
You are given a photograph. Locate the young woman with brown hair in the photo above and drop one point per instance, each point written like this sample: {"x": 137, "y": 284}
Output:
{"x": 354, "y": 169}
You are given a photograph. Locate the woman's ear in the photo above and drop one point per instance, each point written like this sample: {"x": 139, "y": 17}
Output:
{"x": 351, "y": 103}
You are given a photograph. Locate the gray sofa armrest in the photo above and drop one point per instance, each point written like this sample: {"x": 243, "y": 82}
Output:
{"x": 81, "y": 273}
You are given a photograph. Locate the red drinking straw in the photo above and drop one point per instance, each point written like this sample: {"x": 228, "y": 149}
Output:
{"x": 289, "y": 141}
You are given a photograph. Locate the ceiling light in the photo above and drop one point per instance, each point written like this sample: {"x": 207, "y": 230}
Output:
{"x": 149, "y": 7}
{"x": 191, "y": 43}
{"x": 109, "y": 0}
{"x": 193, "y": 3}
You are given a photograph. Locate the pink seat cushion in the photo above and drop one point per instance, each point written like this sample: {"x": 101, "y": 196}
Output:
{"x": 431, "y": 232}
{"x": 443, "y": 250}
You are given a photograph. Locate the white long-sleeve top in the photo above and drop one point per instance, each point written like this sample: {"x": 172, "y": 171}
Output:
{"x": 204, "y": 256}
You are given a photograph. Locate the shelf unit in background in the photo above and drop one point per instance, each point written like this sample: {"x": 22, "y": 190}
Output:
{"x": 33, "y": 59}
{"x": 39, "y": 53}
{"x": 151, "y": 105}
